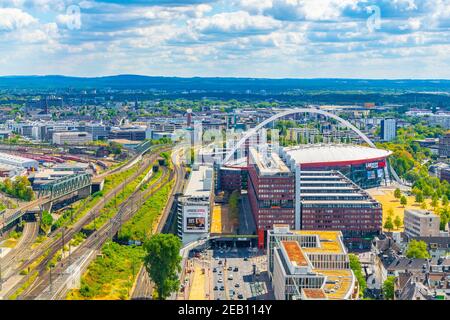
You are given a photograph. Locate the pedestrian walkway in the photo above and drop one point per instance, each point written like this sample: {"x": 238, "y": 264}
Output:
{"x": 197, "y": 291}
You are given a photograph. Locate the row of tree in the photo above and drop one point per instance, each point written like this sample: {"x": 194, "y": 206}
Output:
{"x": 19, "y": 188}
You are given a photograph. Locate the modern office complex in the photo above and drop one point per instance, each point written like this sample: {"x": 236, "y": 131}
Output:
{"x": 309, "y": 200}
{"x": 71, "y": 138}
{"x": 388, "y": 129}
{"x": 309, "y": 265}
{"x": 194, "y": 206}
{"x": 331, "y": 201}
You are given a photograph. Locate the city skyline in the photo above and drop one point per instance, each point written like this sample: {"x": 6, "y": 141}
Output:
{"x": 402, "y": 39}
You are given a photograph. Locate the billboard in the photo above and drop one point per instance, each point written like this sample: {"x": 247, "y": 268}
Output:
{"x": 196, "y": 218}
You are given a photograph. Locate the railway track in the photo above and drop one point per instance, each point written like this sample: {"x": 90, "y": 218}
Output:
{"x": 44, "y": 289}
{"x": 143, "y": 289}
{"x": 51, "y": 247}
{"x": 22, "y": 249}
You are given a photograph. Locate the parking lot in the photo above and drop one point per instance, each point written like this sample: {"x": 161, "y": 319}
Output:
{"x": 238, "y": 274}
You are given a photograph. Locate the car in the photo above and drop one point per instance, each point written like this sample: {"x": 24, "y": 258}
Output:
{"x": 216, "y": 288}
{"x": 237, "y": 285}
{"x": 240, "y": 296}
{"x": 231, "y": 293}
{"x": 222, "y": 288}
{"x": 215, "y": 270}
{"x": 220, "y": 261}
{"x": 245, "y": 259}
{"x": 230, "y": 268}
{"x": 230, "y": 277}
{"x": 216, "y": 258}
{"x": 236, "y": 269}
{"x": 220, "y": 280}
{"x": 220, "y": 272}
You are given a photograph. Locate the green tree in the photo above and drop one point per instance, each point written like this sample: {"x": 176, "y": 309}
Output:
{"x": 390, "y": 212}
{"x": 397, "y": 222}
{"x": 355, "y": 265}
{"x": 403, "y": 201}
{"x": 419, "y": 197}
{"x": 417, "y": 249}
{"x": 397, "y": 193}
{"x": 444, "y": 200}
{"x": 47, "y": 218}
{"x": 435, "y": 201}
{"x": 388, "y": 288}
{"x": 388, "y": 224}
{"x": 162, "y": 263}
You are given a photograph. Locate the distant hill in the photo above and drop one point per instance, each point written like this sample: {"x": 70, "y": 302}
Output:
{"x": 175, "y": 84}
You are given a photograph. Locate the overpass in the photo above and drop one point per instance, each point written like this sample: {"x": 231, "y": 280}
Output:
{"x": 49, "y": 194}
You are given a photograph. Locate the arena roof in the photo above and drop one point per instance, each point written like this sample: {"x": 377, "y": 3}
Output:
{"x": 334, "y": 155}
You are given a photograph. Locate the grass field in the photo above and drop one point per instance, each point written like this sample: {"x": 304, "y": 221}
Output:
{"x": 386, "y": 197}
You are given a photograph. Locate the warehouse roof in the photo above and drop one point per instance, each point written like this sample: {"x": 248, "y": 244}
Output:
{"x": 335, "y": 154}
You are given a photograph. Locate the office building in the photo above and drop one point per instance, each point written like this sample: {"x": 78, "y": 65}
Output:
{"x": 421, "y": 223}
{"x": 71, "y": 138}
{"x": 194, "y": 206}
{"x": 309, "y": 265}
{"x": 388, "y": 130}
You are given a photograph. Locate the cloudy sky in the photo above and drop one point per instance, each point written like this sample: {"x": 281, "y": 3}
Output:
{"x": 238, "y": 38}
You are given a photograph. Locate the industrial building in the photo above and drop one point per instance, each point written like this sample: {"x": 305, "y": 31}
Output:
{"x": 309, "y": 265}
{"x": 194, "y": 206}
{"x": 17, "y": 161}
{"x": 71, "y": 138}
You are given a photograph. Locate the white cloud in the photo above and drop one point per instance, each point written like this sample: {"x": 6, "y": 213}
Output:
{"x": 12, "y": 19}
{"x": 235, "y": 22}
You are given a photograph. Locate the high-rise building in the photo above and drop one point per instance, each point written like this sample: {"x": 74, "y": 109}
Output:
{"x": 444, "y": 145}
{"x": 388, "y": 130}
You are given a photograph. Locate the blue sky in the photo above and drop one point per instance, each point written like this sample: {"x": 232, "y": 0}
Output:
{"x": 237, "y": 38}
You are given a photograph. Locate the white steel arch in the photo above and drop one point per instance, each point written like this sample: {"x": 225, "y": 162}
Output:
{"x": 289, "y": 112}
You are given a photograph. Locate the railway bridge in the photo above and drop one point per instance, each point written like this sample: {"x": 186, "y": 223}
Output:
{"x": 49, "y": 194}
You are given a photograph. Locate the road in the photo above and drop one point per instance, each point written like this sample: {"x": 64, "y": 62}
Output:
{"x": 52, "y": 245}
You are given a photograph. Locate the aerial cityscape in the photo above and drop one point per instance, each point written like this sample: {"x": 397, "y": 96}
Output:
{"x": 225, "y": 150}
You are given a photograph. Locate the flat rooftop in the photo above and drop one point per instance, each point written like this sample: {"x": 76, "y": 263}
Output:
{"x": 314, "y": 293}
{"x": 295, "y": 254}
{"x": 268, "y": 165}
{"x": 330, "y": 241}
{"x": 338, "y": 284}
{"x": 334, "y": 154}
{"x": 421, "y": 213}
{"x": 196, "y": 186}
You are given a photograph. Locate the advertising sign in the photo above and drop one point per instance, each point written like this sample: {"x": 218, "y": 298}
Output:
{"x": 195, "y": 218}
{"x": 372, "y": 165}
